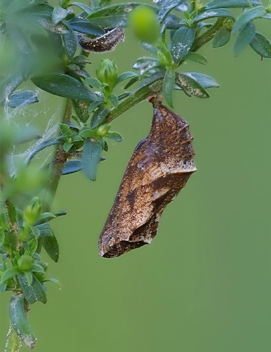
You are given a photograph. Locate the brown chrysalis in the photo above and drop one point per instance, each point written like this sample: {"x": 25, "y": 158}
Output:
{"x": 106, "y": 42}
{"x": 159, "y": 168}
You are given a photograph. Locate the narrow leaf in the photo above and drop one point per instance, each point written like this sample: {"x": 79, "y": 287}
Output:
{"x": 244, "y": 37}
{"x": 196, "y": 57}
{"x": 114, "y": 100}
{"x": 247, "y": 16}
{"x": 3, "y": 286}
{"x": 181, "y": 43}
{"x": 50, "y": 244}
{"x": 37, "y": 269}
{"x": 261, "y": 45}
{"x": 23, "y": 98}
{"x": 55, "y": 281}
{"x": 19, "y": 321}
{"x": 71, "y": 42}
{"x": 29, "y": 277}
{"x": 91, "y": 157}
{"x": 212, "y": 13}
{"x": 72, "y": 166}
{"x": 58, "y": 15}
{"x": 204, "y": 80}
{"x": 115, "y": 136}
{"x": 9, "y": 273}
{"x": 34, "y": 292}
{"x": 168, "y": 87}
{"x": 82, "y": 25}
{"x": 190, "y": 86}
{"x": 43, "y": 145}
{"x": 145, "y": 63}
{"x": 84, "y": 7}
{"x": 226, "y": 3}
{"x": 64, "y": 86}
{"x": 98, "y": 117}
{"x": 124, "y": 76}
{"x": 222, "y": 37}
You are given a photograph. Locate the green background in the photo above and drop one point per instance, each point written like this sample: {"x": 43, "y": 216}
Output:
{"x": 203, "y": 285}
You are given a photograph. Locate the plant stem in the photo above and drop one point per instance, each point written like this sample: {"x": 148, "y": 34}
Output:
{"x": 13, "y": 343}
{"x": 59, "y": 161}
{"x": 208, "y": 35}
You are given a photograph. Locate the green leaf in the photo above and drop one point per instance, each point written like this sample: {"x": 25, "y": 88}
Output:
{"x": 58, "y": 15}
{"x": 25, "y": 134}
{"x": 152, "y": 49}
{"x": 181, "y": 43}
{"x": 64, "y": 86}
{"x": 151, "y": 79}
{"x": 23, "y": 98}
{"x": 98, "y": 117}
{"x": 45, "y": 217}
{"x": 82, "y": 25}
{"x": 43, "y": 145}
{"x": 261, "y": 45}
{"x": 29, "y": 277}
{"x": 168, "y": 87}
{"x": 190, "y": 86}
{"x": 247, "y": 16}
{"x": 32, "y": 246}
{"x": 3, "y": 286}
{"x": 72, "y": 166}
{"x": 196, "y": 58}
{"x": 125, "y": 76}
{"x": 124, "y": 95}
{"x": 244, "y": 37}
{"x": 50, "y": 244}
{"x": 8, "y": 85}
{"x": 114, "y": 135}
{"x": 71, "y": 42}
{"x": 166, "y": 9}
{"x": 87, "y": 133}
{"x": 204, "y": 80}
{"x": 34, "y": 292}
{"x": 9, "y": 273}
{"x": 84, "y": 7}
{"x": 212, "y": 13}
{"x": 131, "y": 82}
{"x": 145, "y": 63}
{"x": 93, "y": 82}
{"x": 114, "y": 100}
{"x": 91, "y": 157}
{"x": 55, "y": 281}
{"x": 65, "y": 129}
{"x": 19, "y": 321}
{"x": 226, "y": 3}
{"x": 37, "y": 269}
{"x": 222, "y": 37}
{"x": 81, "y": 108}
{"x": 67, "y": 146}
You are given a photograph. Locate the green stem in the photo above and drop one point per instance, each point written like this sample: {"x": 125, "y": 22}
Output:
{"x": 13, "y": 226}
{"x": 59, "y": 161}
{"x": 208, "y": 35}
{"x": 13, "y": 343}
{"x": 141, "y": 94}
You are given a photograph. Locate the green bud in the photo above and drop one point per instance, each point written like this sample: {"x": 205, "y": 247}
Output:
{"x": 107, "y": 72}
{"x": 64, "y": 3}
{"x": 40, "y": 276}
{"x": 26, "y": 262}
{"x": 144, "y": 23}
{"x": 103, "y": 129}
{"x": 33, "y": 211}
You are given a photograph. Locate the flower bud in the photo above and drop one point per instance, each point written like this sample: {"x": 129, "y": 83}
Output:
{"x": 107, "y": 72}
{"x": 26, "y": 262}
{"x": 103, "y": 129}
{"x": 33, "y": 211}
{"x": 144, "y": 24}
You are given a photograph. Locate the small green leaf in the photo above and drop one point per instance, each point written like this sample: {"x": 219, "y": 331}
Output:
{"x": 34, "y": 292}
{"x": 226, "y": 3}
{"x": 81, "y": 107}
{"x": 168, "y": 87}
{"x": 125, "y": 76}
{"x": 152, "y": 49}
{"x": 204, "y": 80}
{"x": 21, "y": 99}
{"x": 222, "y": 37}
{"x": 190, "y": 86}
{"x": 19, "y": 321}
{"x": 29, "y": 277}
{"x": 212, "y": 13}
{"x": 196, "y": 58}
{"x": 82, "y": 25}
{"x": 131, "y": 82}
{"x": 124, "y": 95}
{"x": 9, "y": 273}
{"x": 93, "y": 82}
{"x": 37, "y": 269}
{"x": 94, "y": 105}
{"x": 58, "y": 15}
{"x": 67, "y": 146}
{"x": 50, "y": 244}
{"x": 181, "y": 43}
{"x": 115, "y": 136}
{"x": 32, "y": 246}
{"x": 71, "y": 42}
{"x": 3, "y": 286}
{"x": 55, "y": 281}
{"x": 244, "y": 37}
{"x": 84, "y": 7}
{"x": 43, "y": 145}
{"x": 87, "y": 133}
{"x": 98, "y": 116}
{"x": 45, "y": 217}
{"x": 261, "y": 45}
{"x": 247, "y": 16}
{"x": 91, "y": 157}
{"x": 65, "y": 129}
{"x": 114, "y": 100}
{"x": 72, "y": 166}
{"x": 145, "y": 63}
{"x": 64, "y": 86}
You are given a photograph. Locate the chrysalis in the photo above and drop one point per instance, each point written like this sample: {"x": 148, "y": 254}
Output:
{"x": 159, "y": 168}
{"x": 106, "y": 42}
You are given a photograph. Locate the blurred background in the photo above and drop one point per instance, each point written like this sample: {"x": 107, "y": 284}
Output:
{"x": 203, "y": 285}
